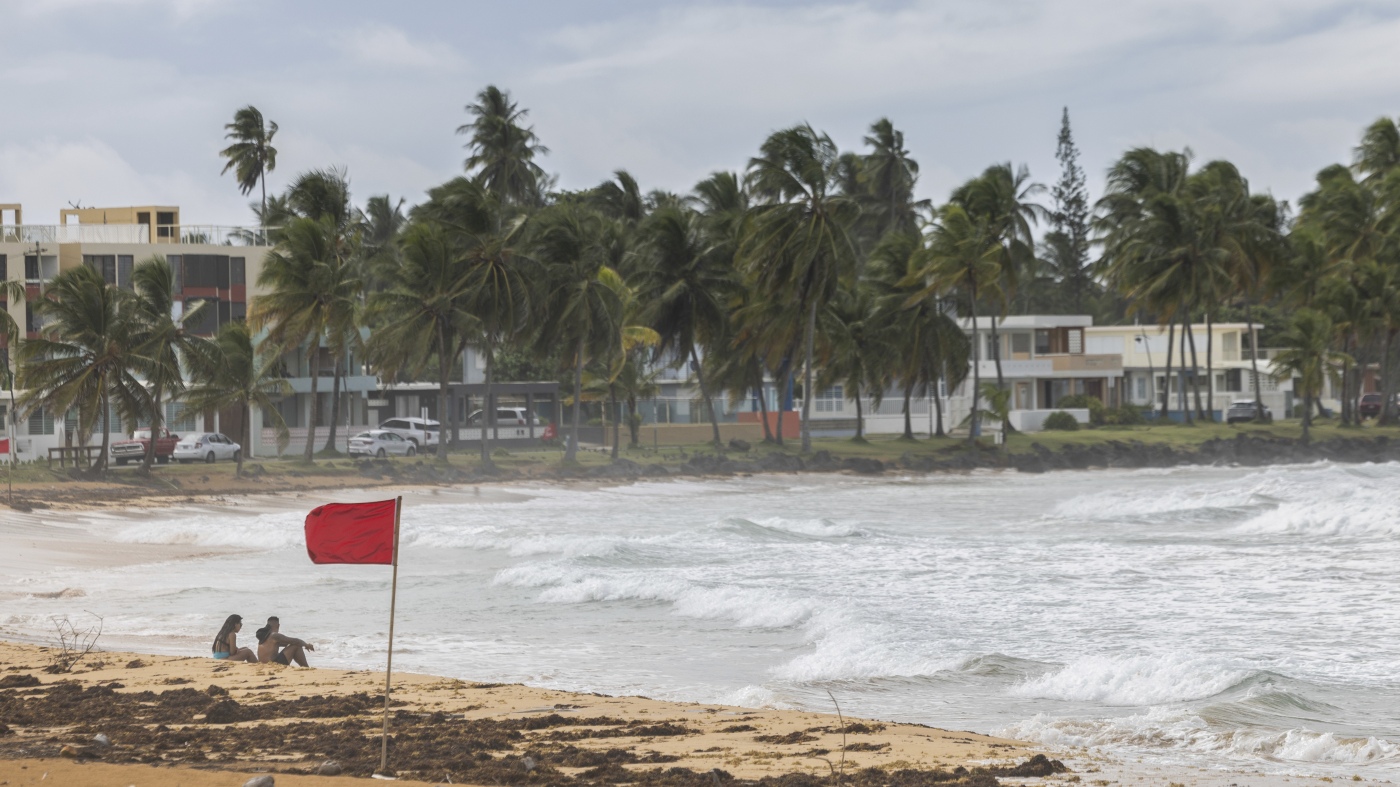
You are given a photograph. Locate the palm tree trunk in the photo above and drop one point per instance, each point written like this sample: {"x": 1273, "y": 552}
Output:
{"x": 617, "y": 420}
{"x": 1181, "y": 399}
{"x": 1210, "y": 369}
{"x": 1346, "y": 385}
{"x": 996, "y": 354}
{"x": 101, "y": 466}
{"x": 245, "y": 436}
{"x": 1195, "y": 377}
{"x": 1387, "y": 390}
{"x": 156, "y": 423}
{"x": 1167, "y": 373}
{"x": 763, "y": 407}
{"x": 633, "y": 428}
{"x": 1254, "y": 359}
{"x": 908, "y": 416}
{"x": 1307, "y": 414}
{"x": 444, "y": 395}
{"x": 571, "y": 453}
{"x": 705, "y": 394}
{"x": 487, "y": 410}
{"x": 976, "y": 422}
{"x": 784, "y": 371}
{"x": 335, "y": 407}
{"x": 315, "y": 399}
{"x": 937, "y": 410}
{"x": 807, "y": 392}
{"x": 860, "y": 422}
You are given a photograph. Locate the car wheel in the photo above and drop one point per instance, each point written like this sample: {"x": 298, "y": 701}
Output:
{"x": 121, "y": 463}
{"x": 413, "y": 440}
{"x": 209, "y": 458}
{"x": 379, "y": 454}
{"x": 411, "y": 451}
{"x": 165, "y": 460}
{"x": 238, "y": 455}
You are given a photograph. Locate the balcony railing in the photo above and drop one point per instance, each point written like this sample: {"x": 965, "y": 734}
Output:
{"x": 214, "y": 235}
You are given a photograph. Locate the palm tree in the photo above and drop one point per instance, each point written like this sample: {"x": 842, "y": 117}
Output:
{"x": 1379, "y": 152}
{"x": 496, "y": 275}
{"x": 11, "y": 291}
{"x": 503, "y": 150}
{"x": 1001, "y": 200}
{"x": 584, "y": 302}
{"x": 858, "y": 351}
{"x": 798, "y": 250}
{"x": 251, "y": 156}
{"x": 422, "y": 312}
{"x": 1308, "y": 356}
{"x": 890, "y": 175}
{"x": 229, "y": 373}
{"x": 685, "y": 287}
{"x": 309, "y": 294}
{"x": 87, "y": 357}
{"x": 164, "y": 340}
{"x": 963, "y": 258}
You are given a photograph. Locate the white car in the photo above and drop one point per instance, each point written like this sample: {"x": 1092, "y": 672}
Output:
{"x": 422, "y": 433}
{"x": 380, "y": 443}
{"x": 507, "y": 416}
{"x": 206, "y": 447}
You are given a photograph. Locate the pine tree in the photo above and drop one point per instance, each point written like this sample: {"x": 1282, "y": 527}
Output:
{"x": 1067, "y": 244}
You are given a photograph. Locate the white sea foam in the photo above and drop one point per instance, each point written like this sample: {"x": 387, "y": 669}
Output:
{"x": 1134, "y": 680}
{"x": 1181, "y": 730}
{"x": 264, "y": 532}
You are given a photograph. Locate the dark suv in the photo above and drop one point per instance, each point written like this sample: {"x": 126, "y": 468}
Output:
{"x": 1370, "y": 406}
{"x": 1247, "y": 410}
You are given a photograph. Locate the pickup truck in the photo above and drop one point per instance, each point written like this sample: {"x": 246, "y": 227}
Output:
{"x": 134, "y": 450}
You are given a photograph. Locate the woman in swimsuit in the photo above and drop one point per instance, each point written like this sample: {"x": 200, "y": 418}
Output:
{"x": 226, "y": 642}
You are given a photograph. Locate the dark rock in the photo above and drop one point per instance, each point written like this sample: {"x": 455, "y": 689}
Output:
{"x": 742, "y": 446}
{"x": 329, "y": 768}
{"x": 863, "y": 465}
{"x": 20, "y": 681}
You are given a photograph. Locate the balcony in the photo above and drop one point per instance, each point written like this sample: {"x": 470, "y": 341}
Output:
{"x": 180, "y": 234}
{"x": 1092, "y": 365}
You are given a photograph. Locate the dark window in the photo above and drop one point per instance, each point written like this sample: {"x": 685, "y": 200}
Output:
{"x": 164, "y": 225}
{"x": 224, "y": 313}
{"x": 206, "y": 270}
{"x": 1042, "y": 342}
{"x": 178, "y": 269}
{"x": 124, "y": 265}
{"x": 143, "y": 217}
{"x": 104, "y": 265}
{"x": 31, "y": 319}
{"x": 238, "y": 311}
{"x": 31, "y": 267}
{"x": 40, "y": 421}
{"x": 4, "y": 268}
{"x": 236, "y": 267}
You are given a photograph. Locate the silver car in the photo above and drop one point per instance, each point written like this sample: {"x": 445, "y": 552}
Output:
{"x": 207, "y": 447}
{"x": 380, "y": 443}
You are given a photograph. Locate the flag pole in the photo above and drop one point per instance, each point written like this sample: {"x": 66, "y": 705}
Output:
{"x": 389, "y": 671}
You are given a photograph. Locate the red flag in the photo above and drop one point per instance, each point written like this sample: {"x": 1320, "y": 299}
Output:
{"x": 351, "y": 533}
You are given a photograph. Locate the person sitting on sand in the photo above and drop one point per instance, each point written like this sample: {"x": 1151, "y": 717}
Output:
{"x": 226, "y": 642}
{"x": 270, "y": 639}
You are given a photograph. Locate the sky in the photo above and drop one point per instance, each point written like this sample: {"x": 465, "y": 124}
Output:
{"x": 123, "y": 102}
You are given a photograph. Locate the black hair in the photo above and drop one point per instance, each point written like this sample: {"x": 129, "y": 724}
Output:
{"x": 266, "y": 631}
{"x": 221, "y": 639}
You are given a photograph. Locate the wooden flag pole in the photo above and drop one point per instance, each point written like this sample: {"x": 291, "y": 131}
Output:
{"x": 389, "y": 670}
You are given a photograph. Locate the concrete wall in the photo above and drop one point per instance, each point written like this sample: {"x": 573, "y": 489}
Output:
{"x": 679, "y": 434}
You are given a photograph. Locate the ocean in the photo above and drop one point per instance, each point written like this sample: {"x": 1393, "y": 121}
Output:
{"x": 1218, "y": 617}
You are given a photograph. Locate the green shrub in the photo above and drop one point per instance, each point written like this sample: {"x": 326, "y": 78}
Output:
{"x": 1061, "y": 421}
{"x": 1084, "y": 402}
{"x": 1124, "y": 416}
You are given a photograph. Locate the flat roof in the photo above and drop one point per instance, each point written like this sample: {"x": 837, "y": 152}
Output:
{"x": 1025, "y": 321}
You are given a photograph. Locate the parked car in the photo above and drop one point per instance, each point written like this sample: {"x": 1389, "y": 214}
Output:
{"x": 207, "y": 447}
{"x": 380, "y": 443}
{"x": 1370, "y": 406}
{"x": 506, "y": 416}
{"x": 134, "y": 450}
{"x": 1245, "y": 410}
{"x": 424, "y": 434}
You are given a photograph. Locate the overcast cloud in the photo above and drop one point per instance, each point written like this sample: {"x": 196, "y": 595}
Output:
{"x": 116, "y": 102}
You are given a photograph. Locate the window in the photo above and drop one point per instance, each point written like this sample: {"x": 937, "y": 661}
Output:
{"x": 124, "y": 265}
{"x": 395, "y": 424}
{"x": 104, "y": 265}
{"x": 1021, "y": 343}
{"x": 992, "y": 353}
{"x": 1231, "y": 381}
{"x": 176, "y": 265}
{"x": 4, "y": 268}
{"x": 1076, "y": 341}
{"x": 831, "y": 400}
{"x": 165, "y": 225}
{"x": 177, "y": 418}
{"x": 236, "y": 271}
{"x": 1140, "y": 388}
{"x": 4, "y": 420}
{"x": 207, "y": 321}
{"x": 206, "y": 270}
{"x": 31, "y": 267}
{"x": 32, "y": 321}
{"x": 1042, "y": 342}
{"x": 40, "y": 421}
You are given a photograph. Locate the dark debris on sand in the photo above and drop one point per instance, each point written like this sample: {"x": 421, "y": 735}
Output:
{"x": 187, "y": 726}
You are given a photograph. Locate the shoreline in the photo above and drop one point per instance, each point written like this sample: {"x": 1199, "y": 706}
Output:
{"x": 1244, "y": 449}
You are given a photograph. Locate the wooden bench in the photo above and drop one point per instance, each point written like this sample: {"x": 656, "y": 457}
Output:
{"x": 64, "y": 453}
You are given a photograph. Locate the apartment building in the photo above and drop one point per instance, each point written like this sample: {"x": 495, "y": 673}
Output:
{"x": 211, "y": 263}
